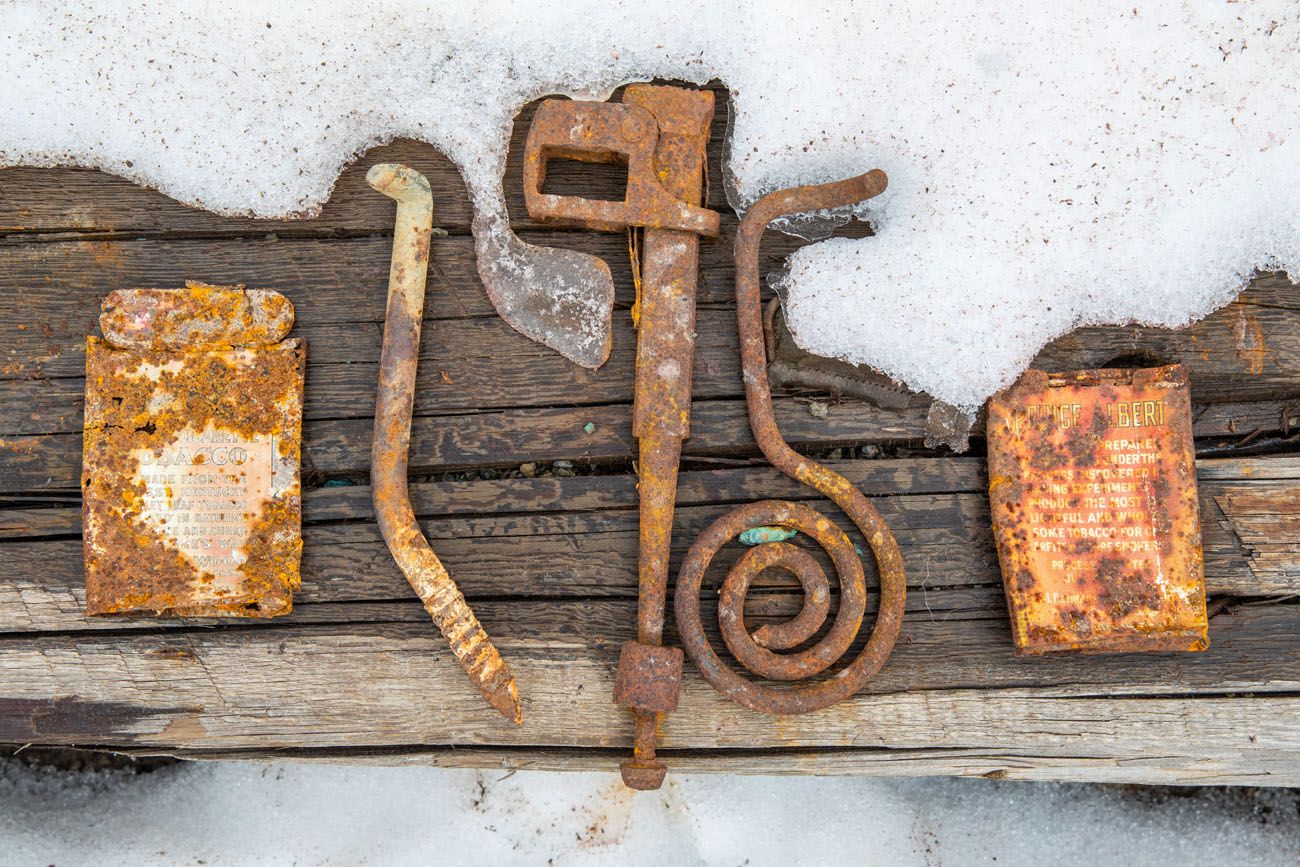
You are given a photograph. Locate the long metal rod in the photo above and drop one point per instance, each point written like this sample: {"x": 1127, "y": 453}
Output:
{"x": 392, "y": 440}
{"x": 661, "y": 411}
{"x": 661, "y": 421}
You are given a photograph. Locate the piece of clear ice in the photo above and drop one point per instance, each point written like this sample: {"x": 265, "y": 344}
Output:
{"x": 560, "y": 298}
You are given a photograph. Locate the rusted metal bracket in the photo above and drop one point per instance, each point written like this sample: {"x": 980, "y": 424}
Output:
{"x": 661, "y": 134}
{"x": 628, "y": 133}
{"x": 755, "y": 651}
{"x": 392, "y": 439}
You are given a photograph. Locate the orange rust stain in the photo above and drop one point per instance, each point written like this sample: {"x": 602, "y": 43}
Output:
{"x": 105, "y": 253}
{"x": 200, "y": 317}
{"x": 183, "y": 729}
{"x": 23, "y": 446}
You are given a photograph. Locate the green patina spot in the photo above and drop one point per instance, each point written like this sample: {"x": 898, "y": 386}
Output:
{"x": 761, "y": 535}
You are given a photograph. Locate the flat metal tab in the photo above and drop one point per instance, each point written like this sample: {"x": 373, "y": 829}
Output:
{"x": 1092, "y": 481}
{"x": 190, "y": 473}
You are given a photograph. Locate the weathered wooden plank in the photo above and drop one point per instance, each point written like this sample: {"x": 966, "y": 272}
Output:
{"x": 539, "y": 556}
{"x": 57, "y": 287}
{"x": 876, "y": 478}
{"x": 335, "y": 285}
{"x": 468, "y": 365}
{"x": 505, "y": 438}
{"x": 463, "y": 371}
{"x": 1252, "y": 769}
{"x": 1250, "y": 348}
{"x": 395, "y": 684}
{"x": 339, "y": 289}
{"x": 880, "y": 477}
{"x": 76, "y": 200}
{"x": 1265, "y": 519}
{"x": 561, "y": 538}
{"x": 766, "y": 605}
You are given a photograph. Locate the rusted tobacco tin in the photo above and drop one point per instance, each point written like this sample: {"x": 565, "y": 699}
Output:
{"x": 1092, "y": 481}
{"x": 190, "y": 474}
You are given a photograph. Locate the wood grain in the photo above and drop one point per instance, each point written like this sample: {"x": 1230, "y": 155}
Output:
{"x": 577, "y": 537}
{"x": 994, "y": 764}
{"x": 386, "y": 684}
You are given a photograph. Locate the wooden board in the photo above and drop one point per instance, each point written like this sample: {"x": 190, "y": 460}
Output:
{"x": 357, "y": 673}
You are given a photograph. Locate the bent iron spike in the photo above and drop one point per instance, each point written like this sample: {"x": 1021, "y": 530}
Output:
{"x": 392, "y": 438}
{"x": 661, "y": 134}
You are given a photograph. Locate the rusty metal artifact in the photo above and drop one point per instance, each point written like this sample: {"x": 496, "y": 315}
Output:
{"x": 191, "y": 496}
{"x": 392, "y": 438}
{"x": 1092, "y": 482}
{"x": 756, "y": 651}
{"x": 789, "y": 366}
{"x": 662, "y": 135}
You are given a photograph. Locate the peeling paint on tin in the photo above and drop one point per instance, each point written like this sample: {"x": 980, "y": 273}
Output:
{"x": 190, "y": 472}
{"x": 764, "y": 535}
{"x": 1092, "y": 482}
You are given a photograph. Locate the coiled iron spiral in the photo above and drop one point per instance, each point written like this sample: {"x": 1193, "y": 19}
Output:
{"x": 756, "y": 651}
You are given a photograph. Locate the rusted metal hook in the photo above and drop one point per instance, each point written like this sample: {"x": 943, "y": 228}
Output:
{"x": 392, "y": 440}
{"x": 755, "y": 651}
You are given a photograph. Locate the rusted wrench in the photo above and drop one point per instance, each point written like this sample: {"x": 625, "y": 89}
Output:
{"x": 392, "y": 441}
{"x": 661, "y": 134}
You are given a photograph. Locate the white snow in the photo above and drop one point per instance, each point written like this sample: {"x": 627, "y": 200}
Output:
{"x": 1051, "y": 164}
{"x": 319, "y": 814}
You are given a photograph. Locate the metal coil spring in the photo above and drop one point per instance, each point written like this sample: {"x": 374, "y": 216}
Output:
{"x": 756, "y": 652}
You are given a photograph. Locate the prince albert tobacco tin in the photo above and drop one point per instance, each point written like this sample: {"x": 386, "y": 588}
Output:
{"x": 192, "y": 502}
{"x": 1092, "y": 482}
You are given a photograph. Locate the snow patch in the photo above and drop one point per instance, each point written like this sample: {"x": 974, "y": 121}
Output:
{"x": 246, "y": 813}
{"x": 1051, "y": 165}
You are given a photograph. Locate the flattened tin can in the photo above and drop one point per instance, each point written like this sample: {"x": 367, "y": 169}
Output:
{"x": 1092, "y": 483}
{"x": 192, "y": 504}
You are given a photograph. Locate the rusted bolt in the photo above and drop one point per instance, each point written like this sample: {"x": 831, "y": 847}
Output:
{"x": 644, "y": 777}
{"x": 633, "y": 128}
{"x": 648, "y": 677}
